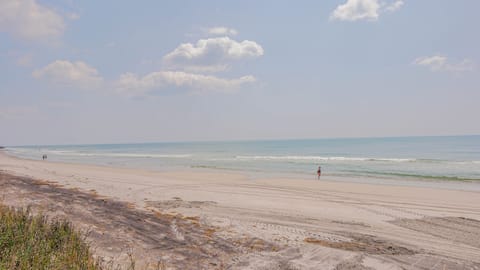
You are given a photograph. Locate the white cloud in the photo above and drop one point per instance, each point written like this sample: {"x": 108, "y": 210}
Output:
{"x": 354, "y": 10}
{"x": 441, "y": 63}
{"x": 206, "y": 55}
{"x": 29, "y": 20}
{"x": 75, "y": 74}
{"x": 433, "y": 62}
{"x": 132, "y": 85}
{"x": 211, "y": 55}
{"x": 394, "y": 6}
{"x": 82, "y": 76}
{"x": 221, "y": 31}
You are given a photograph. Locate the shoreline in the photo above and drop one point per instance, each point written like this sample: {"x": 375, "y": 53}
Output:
{"x": 430, "y": 182}
{"x": 305, "y": 220}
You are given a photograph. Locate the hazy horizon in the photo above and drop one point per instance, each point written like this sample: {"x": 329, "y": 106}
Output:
{"x": 94, "y": 72}
{"x": 247, "y": 140}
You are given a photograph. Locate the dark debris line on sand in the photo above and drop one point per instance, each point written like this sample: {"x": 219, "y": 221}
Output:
{"x": 115, "y": 228}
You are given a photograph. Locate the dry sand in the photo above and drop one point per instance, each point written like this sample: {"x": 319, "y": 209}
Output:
{"x": 214, "y": 220}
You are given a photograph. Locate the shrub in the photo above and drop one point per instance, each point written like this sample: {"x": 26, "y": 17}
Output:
{"x": 32, "y": 242}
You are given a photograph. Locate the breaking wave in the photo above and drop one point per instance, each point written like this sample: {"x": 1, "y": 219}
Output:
{"x": 120, "y": 155}
{"x": 321, "y": 158}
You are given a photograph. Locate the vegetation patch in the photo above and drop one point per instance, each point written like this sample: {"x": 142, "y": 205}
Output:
{"x": 32, "y": 242}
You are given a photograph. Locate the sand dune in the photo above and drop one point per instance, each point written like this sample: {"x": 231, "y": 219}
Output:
{"x": 213, "y": 220}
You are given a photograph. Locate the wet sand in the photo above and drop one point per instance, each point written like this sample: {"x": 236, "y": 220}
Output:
{"x": 204, "y": 220}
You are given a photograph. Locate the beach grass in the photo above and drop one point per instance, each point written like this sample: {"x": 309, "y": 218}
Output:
{"x": 33, "y": 242}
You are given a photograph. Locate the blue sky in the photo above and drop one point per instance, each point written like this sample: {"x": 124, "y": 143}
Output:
{"x": 128, "y": 71}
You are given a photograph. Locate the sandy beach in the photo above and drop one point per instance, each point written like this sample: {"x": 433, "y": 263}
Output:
{"x": 219, "y": 220}
{"x": 239, "y": 135}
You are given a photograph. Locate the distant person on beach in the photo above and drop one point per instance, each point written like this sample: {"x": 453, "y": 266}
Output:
{"x": 44, "y": 157}
{"x": 319, "y": 172}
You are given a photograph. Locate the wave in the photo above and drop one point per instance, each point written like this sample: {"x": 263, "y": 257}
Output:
{"x": 127, "y": 155}
{"x": 355, "y": 159}
{"x": 321, "y": 158}
{"x": 422, "y": 176}
{"x": 279, "y": 158}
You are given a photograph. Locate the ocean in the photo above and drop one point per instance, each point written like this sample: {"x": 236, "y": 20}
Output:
{"x": 447, "y": 158}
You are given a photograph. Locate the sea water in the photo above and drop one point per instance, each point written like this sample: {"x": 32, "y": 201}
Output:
{"x": 452, "y": 158}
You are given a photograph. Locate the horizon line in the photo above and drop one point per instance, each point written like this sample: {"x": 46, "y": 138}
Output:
{"x": 245, "y": 140}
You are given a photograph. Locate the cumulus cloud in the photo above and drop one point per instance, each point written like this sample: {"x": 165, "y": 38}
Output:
{"x": 75, "y": 74}
{"x": 207, "y": 55}
{"x": 442, "y": 63}
{"x": 221, "y": 31}
{"x": 82, "y": 76}
{"x": 354, "y": 10}
{"x": 212, "y": 54}
{"x": 28, "y": 20}
{"x": 394, "y": 6}
{"x": 132, "y": 85}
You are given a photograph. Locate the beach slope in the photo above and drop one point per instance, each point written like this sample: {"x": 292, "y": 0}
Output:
{"x": 217, "y": 220}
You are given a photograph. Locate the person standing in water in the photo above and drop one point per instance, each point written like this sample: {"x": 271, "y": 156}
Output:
{"x": 319, "y": 172}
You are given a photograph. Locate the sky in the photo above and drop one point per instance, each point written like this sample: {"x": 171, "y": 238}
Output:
{"x": 82, "y": 72}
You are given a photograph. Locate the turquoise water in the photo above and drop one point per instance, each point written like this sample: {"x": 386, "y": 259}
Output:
{"x": 454, "y": 158}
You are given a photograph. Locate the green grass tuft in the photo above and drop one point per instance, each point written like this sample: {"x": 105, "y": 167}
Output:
{"x": 32, "y": 242}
